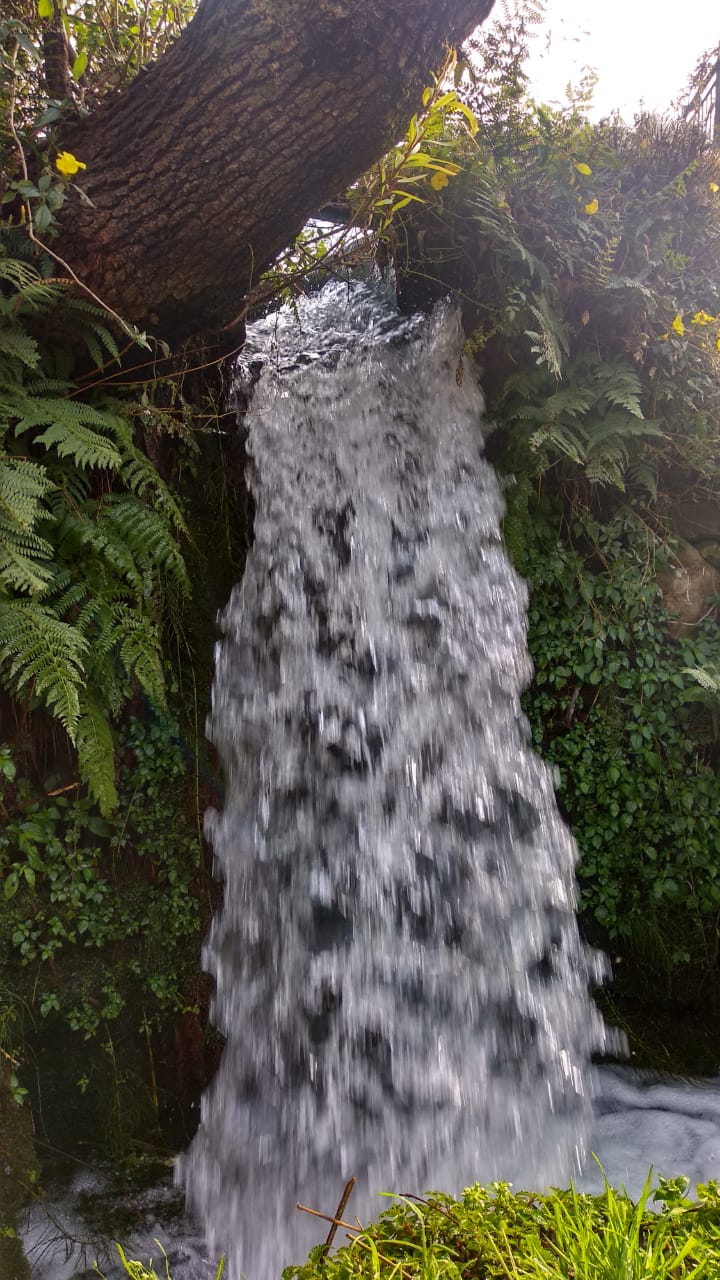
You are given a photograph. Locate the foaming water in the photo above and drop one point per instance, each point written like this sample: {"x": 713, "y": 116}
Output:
{"x": 398, "y": 967}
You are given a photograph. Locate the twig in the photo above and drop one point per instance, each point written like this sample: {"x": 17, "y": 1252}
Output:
{"x": 338, "y": 1214}
{"x": 326, "y": 1218}
{"x": 431, "y": 1204}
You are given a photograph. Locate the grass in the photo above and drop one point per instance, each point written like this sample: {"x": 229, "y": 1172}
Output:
{"x": 495, "y": 1233}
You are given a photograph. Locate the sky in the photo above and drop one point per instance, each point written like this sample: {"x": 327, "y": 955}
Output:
{"x": 643, "y": 50}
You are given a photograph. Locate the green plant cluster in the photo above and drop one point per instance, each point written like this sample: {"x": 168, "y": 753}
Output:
{"x": 101, "y": 917}
{"x": 614, "y": 708}
{"x": 593, "y": 250}
{"x": 138, "y": 1271}
{"x": 89, "y": 534}
{"x": 587, "y": 257}
{"x": 493, "y": 1233}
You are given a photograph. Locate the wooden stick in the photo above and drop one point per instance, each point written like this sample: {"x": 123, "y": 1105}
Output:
{"x": 338, "y": 1214}
{"x": 326, "y": 1218}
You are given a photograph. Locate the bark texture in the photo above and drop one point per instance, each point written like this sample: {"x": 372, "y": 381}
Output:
{"x": 208, "y": 164}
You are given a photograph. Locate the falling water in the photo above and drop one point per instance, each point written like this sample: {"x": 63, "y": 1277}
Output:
{"x": 398, "y": 967}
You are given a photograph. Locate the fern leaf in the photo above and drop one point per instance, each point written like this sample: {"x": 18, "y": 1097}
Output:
{"x": 22, "y": 551}
{"x": 44, "y": 654}
{"x": 145, "y": 533}
{"x": 73, "y": 430}
{"x": 94, "y": 745}
{"x": 18, "y": 344}
{"x": 90, "y": 325}
{"x": 708, "y": 677}
{"x": 617, "y": 383}
{"x": 138, "y": 644}
{"x": 20, "y": 569}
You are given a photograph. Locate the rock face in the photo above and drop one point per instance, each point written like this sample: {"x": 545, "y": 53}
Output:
{"x": 697, "y": 521}
{"x": 689, "y": 588}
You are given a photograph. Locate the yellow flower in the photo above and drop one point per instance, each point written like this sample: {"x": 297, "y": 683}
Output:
{"x": 66, "y": 163}
{"x": 713, "y": 188}
{"x": 503, "y": 204}
{"x": 717, "y": 342}
{"x": 702, "y": 317}
{"x": 677, "y": 325}
{"x": 591, "y": 207}
{"x": 663, "y": 337}
{"x": 438, "y": 181}
{"x": 584, "y": 169}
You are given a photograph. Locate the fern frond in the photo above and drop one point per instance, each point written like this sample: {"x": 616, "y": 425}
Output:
{"x": 597, "y": 274}
{"x": 43, "y": 655}
{"x": 708, "y": 677}
{"x": 618, "y": 383}
{"x": 644, "y": 475}
{"x": 572, "y": 399}
{"x": 568, "y": 440}
{"x": 551, "y": 342}
{"x": 73, "y": 430}
{"x": 607, "y": 465}
{"x": 138, "y": 644}
{"x": 18, "y": 344}
{"x": 21, "y": 564}
{"x": 18, "y": 273}
{"x": 95, "y": 753}
{"x": 23, "y": 485}
{"x": 145, "y": 534}
{"x": 620, "y": 283}
{"x": 91, "y": 327}
{"x": 622, "y": 425}
{"x": 141, "y": 478}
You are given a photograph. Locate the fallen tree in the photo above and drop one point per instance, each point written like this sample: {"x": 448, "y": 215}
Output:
{"x": 211, "y": 160}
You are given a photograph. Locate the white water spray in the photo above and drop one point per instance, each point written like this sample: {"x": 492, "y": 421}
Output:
{"x": 399, "y": 972}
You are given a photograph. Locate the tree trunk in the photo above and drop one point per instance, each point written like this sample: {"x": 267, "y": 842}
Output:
{"x": 213, "y": 158}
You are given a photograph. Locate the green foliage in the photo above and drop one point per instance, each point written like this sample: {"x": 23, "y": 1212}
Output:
{"x": 114, "y": 907}
{"x": 493, "y": 1233}
{"x": 586, "y": 257}
{"x": 609, "y": 708}
{"x": 137, "y": 1271}
{"x": 108, "y": 42}
{"x": 423, "y": 161}
{"x": 88, "y": 532}
{"x": 592, "y": 417}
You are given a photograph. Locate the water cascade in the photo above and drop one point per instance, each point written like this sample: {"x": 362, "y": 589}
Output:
{"x": 398, "y": 967}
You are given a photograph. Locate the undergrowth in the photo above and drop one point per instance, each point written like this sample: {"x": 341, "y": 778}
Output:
{"x": 100, "y": 916}
{"x": 495, "y": 1233}
{"x": 614, "y": 707}
{"x": 90, "y": 558}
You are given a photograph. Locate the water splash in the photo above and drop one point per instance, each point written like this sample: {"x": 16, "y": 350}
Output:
{"x": 398, "y": 967}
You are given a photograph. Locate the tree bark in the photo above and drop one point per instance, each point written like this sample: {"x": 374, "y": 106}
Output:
{"x": 208, "y": 164}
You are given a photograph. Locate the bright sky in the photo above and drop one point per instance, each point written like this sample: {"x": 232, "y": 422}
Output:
{"x": 643, "y": 50}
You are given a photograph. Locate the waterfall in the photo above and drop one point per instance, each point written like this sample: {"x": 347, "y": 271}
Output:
{"x": 399, "y": 972}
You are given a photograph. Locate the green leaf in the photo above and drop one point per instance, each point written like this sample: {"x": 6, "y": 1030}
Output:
{"x": 79, "y": 65}
{"x": 95, "y": 754}
{"x": 45, "y": 9}
{"x": 42, "y": 219}
{"x": 11, "y": 884}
